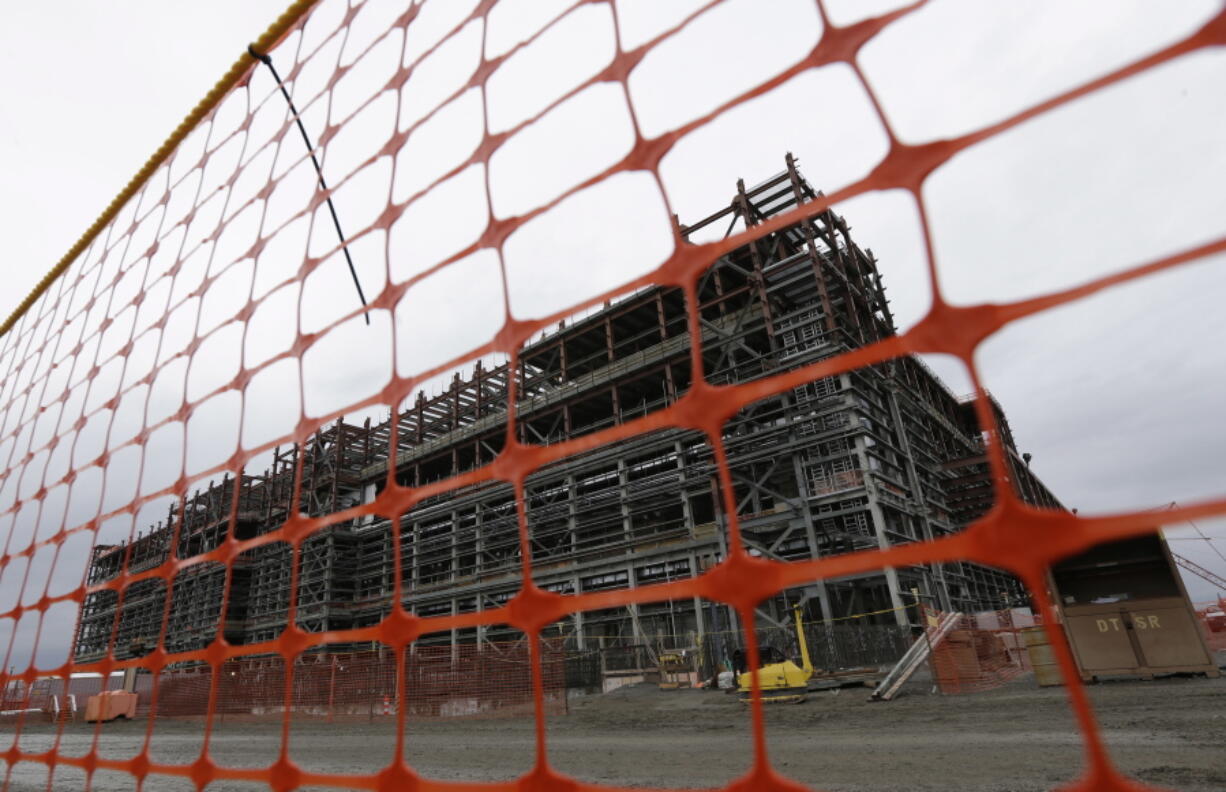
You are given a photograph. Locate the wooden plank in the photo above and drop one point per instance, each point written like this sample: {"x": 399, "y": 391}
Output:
{"x": 914, "y": 657}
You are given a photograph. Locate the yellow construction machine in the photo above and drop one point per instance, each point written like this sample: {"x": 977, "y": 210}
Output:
{"x": 782, "y": 682}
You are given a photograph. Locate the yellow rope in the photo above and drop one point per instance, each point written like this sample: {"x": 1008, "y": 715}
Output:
{"x": 271, "y": 38}
{"x": 862, "y": 615}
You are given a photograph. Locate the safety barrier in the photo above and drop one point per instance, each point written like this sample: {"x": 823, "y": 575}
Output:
{"x": 169, "y": 346}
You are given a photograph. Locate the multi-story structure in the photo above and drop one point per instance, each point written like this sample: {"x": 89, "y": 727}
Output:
{"x": 872, "y": 458}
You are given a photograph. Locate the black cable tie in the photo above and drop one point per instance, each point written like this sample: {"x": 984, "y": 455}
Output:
{"x": 267, "y": 61}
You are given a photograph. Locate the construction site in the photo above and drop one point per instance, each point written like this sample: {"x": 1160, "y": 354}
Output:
{"x": 597, "y": 396}
{"x": 869, "y": 459}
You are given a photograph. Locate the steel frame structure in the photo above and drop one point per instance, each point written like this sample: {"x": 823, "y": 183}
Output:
{"x": 867, "y": 459}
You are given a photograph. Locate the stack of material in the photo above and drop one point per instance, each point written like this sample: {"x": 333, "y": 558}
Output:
{"x": 956, "y": 661}
{"x": 109, "y": 705}
{"x": 938, "y": 627}
{"x": 980, "y": 655}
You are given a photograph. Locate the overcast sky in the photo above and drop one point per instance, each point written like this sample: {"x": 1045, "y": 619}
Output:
{"x": 1117, "y": 397}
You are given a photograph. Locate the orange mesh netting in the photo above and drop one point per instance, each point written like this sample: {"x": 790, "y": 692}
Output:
{"x": 438, "y": 682}
{"x": 129, "y": 384}
{"x": 982, "y": 652}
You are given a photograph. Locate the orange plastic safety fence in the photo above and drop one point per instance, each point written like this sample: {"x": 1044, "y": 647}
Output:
{"x": 124, "y": 383}
{"x": 492, "y": 680}
{"x": 982, "y": 652}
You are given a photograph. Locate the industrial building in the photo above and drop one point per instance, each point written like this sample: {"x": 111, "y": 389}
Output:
{"x": 867, "y": 459}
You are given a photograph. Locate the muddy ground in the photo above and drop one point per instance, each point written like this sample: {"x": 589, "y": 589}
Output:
{"x": 1166, "y": 732}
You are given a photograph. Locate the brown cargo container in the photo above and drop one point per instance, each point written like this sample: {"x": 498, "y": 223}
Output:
{"x": 1126, "y": 612}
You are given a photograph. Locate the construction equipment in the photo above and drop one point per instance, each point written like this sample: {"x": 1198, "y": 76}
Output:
{"x": 676, "y": 667}
{"x": 781, "y": 682}
{"x": 1198, "y": 570}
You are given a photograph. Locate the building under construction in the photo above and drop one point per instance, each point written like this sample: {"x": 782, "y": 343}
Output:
{"x": 877, "y": 457}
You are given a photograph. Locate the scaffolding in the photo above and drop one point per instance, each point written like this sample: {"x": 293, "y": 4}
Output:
{"x": 872, "y": 458}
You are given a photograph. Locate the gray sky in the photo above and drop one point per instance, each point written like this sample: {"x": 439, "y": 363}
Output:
{"x": 1118, "y": 397}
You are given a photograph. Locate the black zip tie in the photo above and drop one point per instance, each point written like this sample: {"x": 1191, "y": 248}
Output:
{"x": 267, "y": 61}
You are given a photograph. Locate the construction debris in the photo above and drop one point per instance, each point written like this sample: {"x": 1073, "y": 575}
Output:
{"x": 916, "y": 656}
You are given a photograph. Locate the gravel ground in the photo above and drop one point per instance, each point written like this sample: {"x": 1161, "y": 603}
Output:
{"x": 1167, "y": 732}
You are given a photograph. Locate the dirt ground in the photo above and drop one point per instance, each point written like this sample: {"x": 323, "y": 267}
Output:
{"x": 1166, "y": 732}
